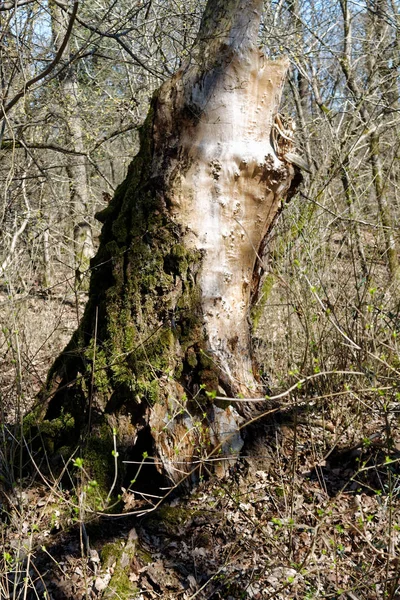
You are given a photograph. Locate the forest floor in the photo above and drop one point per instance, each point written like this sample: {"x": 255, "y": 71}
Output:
{"x": 311, "y": 509}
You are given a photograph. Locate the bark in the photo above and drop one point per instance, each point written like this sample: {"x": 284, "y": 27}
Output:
{"x": 166, "y": 330}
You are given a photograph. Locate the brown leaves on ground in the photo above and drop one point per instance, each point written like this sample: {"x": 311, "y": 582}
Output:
{"x": 284, "y": 524}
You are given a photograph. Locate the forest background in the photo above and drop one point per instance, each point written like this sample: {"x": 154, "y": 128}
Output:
{"x": 76, "y": 83}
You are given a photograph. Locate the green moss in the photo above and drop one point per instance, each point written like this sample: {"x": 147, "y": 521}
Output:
{"x": 50, "y": 431}
{"x": 144, "y": 556}
{"x": 98, "y": 459}
{"x": 191, "y": 358}
{"x": 64, "y": 423}
{"x": 119, "y": 228}
{"x": 177, "y": 261}
{"x": 169, "y": 519}
{"x": 205, "y": 360}
{"x": 157, "y": 352}
{"x": 145, "y": 306}
{"x": 209, "y": 379}
{"x": 100, "y": 375}
{"x": 137, "y": 349}
{"x": 34, "y": 417}
{"x": 120, "y": 586}
{"x": 110, "y": 553}
{"x": 147, "y": 390}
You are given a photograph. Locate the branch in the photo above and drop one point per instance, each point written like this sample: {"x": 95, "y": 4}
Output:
{"x": 17, "y": 234}
{"x": 10, "y": 144}
{"x": 10, "y": 5}
{"x": 114, "y": 134}
{"x": 57, "y": 58}
{"x": 132, "y": 55}
{"x": 117, "y": 38}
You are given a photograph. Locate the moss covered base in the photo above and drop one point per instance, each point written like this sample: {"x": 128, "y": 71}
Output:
{"x": 117, "y": 559}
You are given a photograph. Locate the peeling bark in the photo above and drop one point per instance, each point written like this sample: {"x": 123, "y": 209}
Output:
{"x": 167, "y": 325}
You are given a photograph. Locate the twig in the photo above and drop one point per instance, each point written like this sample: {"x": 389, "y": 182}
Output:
{"x": 37, "y": 78}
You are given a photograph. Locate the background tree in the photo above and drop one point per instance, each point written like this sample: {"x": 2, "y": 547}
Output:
{"x": 76, "y": 162}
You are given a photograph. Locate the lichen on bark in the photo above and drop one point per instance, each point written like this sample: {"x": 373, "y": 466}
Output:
{"x": 141, "y": 331}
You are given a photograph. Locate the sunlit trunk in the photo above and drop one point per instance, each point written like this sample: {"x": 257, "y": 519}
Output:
{"x": 166, "y": 331}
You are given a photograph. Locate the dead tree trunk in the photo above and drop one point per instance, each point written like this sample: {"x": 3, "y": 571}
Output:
{"x": 166, "y": 330}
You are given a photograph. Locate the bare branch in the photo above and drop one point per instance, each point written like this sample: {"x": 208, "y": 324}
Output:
{"x": 10, "y": 144}
{"x": 10, "y": 5}
{"x": 51, "y": 66}
{"x": 117, "y": 37}
{"x": 17, "y": 234}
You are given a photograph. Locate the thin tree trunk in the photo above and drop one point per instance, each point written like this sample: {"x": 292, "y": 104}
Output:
{"x": 46, "y": 282}
{"x": 354, "y": 225}
{"x": 75, "y": 164}
{"x": 384, "y": 211}
{"x": 298, "y": 83}
{"x": 360, "y": 99}
{"x": 379, "y": 76}
{"x": 166, "y": 331}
